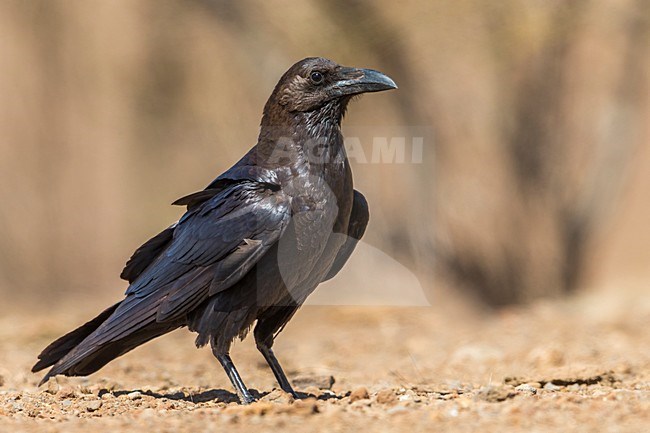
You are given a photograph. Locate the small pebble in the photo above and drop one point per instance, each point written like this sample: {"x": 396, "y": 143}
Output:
{"x": 93, "y": 405}
{"x": 361, "y": 403}
{"x": 135, "y": 395}
{"x": 550, "y": 386}
{"x": 526, "y": 388}
{"x": 386, "y": 396}
{"x": 65, "y": 392}
{"x": 495, "y": 393}
{"x": 278, "y": 396}
{"x": 359, "y": 394}
{"x": 52, "y": 387}
{"x": 307, "y": 406}
{"x": 320, "y": 382}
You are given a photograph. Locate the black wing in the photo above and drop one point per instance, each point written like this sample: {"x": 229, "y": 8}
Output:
{"x": 212, "y": 246}
{"x": 245, "y": 170}
{"x": 356, "y": 228}
{"x": 147, "y": 252}
{"x": 143, "y": 256}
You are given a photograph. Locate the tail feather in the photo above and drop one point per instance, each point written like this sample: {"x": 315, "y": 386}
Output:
{"x": 62, "y": 346}
{"x": 78, "y": 354}
{"x": 99, "y": 356}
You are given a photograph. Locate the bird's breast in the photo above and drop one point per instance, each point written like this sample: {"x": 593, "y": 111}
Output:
{"x": 321, "y": 202}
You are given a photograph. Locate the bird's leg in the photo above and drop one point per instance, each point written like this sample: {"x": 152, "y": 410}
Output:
{"x": 268, "y": 326}
{"x": 244, "y": 395}
{"x": 272, "y": 361}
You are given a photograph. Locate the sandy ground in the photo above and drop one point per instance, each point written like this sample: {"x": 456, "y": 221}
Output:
{"x": 575, "y": 365}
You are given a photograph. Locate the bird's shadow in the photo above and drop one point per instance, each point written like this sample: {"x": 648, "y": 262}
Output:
{"x": 210, "y": 395}
{"x": 213, "y": 395}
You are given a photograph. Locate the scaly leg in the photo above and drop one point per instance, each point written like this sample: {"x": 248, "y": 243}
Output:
{"x": 268, "y": 354}
{"x": 244, "y": 395}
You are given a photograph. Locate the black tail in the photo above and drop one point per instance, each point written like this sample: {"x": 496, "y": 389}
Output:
{"x": 83, "y": 362}
{"x": 61, "y": 346}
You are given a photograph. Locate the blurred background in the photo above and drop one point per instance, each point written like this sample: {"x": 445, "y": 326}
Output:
{"x": 535, "y": 181}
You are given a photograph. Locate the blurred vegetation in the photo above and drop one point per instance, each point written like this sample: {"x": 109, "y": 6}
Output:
{"x": 111, "y": 109}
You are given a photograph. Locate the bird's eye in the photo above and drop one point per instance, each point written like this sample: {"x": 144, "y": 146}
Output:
{"x": 316, "y": 77}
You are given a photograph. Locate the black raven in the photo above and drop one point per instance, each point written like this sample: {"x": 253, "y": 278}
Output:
{"x": 253, "y": 245}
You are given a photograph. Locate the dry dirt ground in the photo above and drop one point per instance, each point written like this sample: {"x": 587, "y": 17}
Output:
{"x": 574, "y": 365}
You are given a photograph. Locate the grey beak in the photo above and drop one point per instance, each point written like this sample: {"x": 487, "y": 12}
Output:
{"x": 363, "y": 81}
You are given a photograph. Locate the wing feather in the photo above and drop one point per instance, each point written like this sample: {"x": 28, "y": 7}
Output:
{"x": 213, "y": 246}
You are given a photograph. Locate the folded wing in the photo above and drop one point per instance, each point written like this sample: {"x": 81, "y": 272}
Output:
{"x": 212, "y": 246}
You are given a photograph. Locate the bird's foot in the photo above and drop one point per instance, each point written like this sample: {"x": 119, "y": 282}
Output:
{"x": 290, "y": 391}
{"x": 246, "y": 398}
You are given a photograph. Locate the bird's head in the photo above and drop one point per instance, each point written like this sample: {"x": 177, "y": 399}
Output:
{"x": 315, "y": 82}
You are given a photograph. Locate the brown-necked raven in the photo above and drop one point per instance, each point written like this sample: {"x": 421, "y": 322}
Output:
{"x": 253, "y": 245}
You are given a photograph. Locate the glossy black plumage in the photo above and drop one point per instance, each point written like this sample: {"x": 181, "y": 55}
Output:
{"x": 253, "y": 245}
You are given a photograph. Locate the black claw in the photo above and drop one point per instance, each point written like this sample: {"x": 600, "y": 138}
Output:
{"x": 246, "y": 399}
